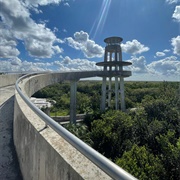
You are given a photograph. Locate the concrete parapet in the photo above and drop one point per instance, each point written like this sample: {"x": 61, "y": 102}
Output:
{"x": 43, "y": 154}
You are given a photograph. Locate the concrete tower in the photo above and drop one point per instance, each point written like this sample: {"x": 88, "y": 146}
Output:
{"x": 113, "y": 67}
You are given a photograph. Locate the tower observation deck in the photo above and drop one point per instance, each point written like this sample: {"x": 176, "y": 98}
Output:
{"x": 113, "y": 67}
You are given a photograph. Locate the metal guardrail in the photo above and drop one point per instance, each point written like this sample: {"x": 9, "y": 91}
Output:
{"x": 102, "y": 162}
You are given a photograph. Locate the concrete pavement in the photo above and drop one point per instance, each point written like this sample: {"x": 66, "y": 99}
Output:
{"x": 9, "y": 167}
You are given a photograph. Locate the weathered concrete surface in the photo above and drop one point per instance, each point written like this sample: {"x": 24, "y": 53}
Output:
{"x": 42, "y": 153}
{"x": 9, "y": 167}
{"x": 8, "y": 79}
{"x": 6, "y": 93}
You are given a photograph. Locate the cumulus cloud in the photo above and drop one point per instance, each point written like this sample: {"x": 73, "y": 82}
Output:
{"x": 82, "y": 42}
{"x": 64, "y": 64}
{"x": 167, "y": 66}
{"x": 134, "y": 47}
{"x": 38, "y": 39}
{"x": 159, "y": 54}
{"x": 166, "y": 50}
{"x": 175, "y": 42}
{"x": 16, "y": 65}
{"x": 7, "y": 43}
{"x": 36, "y": 3}
{"x": 66, "y": 4}
{"x": 176, "y": 14}
{"x": 69, "y": 64}
{"x": 138, "y": 64}
{"x": 172, "y": 1}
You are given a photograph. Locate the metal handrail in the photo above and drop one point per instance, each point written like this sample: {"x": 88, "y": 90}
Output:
{"x": 102, "y": 162}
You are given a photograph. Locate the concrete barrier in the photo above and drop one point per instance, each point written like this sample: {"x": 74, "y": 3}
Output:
{"x": 8, "y": 79}
{"x": 43, "y": 154}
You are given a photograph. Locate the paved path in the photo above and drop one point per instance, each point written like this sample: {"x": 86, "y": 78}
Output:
{"x": 6, "y": 93}
{"x": 9, "y": 167}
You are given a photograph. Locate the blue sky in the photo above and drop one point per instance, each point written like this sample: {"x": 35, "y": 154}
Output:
{"x": 68, "y": 35}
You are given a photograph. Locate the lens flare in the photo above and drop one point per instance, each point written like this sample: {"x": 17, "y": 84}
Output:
{"x": 100, "y": 21}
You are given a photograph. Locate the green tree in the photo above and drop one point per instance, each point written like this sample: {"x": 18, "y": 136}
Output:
{"x": 112, "y": 134}
{"x": 81, "y": 131}
{"x": 142, "y": 164}
{"x": 83, "y": 103}
{"x": 169, "y": 152}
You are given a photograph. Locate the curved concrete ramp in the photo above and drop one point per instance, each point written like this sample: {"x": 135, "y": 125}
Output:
{"x": 9, "y": 167}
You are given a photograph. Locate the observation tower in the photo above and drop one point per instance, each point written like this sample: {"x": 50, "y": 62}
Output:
{"x": 113, "y": 68}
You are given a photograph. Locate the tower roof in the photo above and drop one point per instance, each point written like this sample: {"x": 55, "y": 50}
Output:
{"x": 113, "y": 39}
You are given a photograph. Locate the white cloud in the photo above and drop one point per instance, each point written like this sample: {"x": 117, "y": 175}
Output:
{"x": 39, "y": 40}
{"x": 175, "y": 42}
{"x": 69, "y": 64}
{"x": 7, "y": 43}
{"x": 166, "y": 50}
{"x": 64, "y": 64}
{"x": 176, "y": 14}
{"x": 159, "y": 54}
{"x": 134, "y": 47}
{"x": 138, "y": 64}
{"x": 163, "y": 69}
{"x": 64, "y": 30}
{"x": 82, "y": 42}
{"x": 66, "y": 4}
{"x": 8, "y": 51}
{"x": 167, "y": 66}
{"x": 172, "y": 1}
{"x": 36, "y": 3}
{"x": 16, "y": 65}
{"x": 15, "y": 62}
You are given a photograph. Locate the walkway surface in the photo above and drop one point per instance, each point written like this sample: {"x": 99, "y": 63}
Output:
{"x": 9, "y": 167}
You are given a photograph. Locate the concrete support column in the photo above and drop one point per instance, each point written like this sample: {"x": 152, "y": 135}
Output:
{"x": 105, "y": 56}
{"x": 123, "y": 107}
{"x": 109, "y": 93}
{"x": 116, "y": 94}
{"x": 73, "y": 102}
{"x": 103, "y": 100}
{"x": 116, "y": 58}
{"x": 110, "y": 57}
{"x": 110, "y": 83}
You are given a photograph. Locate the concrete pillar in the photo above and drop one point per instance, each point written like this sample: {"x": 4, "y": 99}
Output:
{"x": 109, "y": 93}
{"x": 116, "y": 58}
{"x": 116, "y": 94}
{"x": 110, "y": 83}
{"x": 73, "y": 102}
{"x": 123, "y": 107}
{"x": 105, "y": 56}
{"x": 103, "y": 100}
{"x": 110, "y": 57}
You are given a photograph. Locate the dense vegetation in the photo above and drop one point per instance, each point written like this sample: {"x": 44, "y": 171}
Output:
{"x": 145, "y": 140}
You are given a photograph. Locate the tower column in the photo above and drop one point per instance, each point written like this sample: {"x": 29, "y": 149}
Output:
{"x": 103, "y": 100}
{"x": 110, "y": 83}
{"x": 73, "y": 102}
{"x": 116, "y": 93}
{"x": 123, "y": 108}
{"x": 109, "y": 93}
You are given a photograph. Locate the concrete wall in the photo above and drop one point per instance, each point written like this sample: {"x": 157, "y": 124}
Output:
{"x": 8, "y": 79}
{"x": 42, "y": 153}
